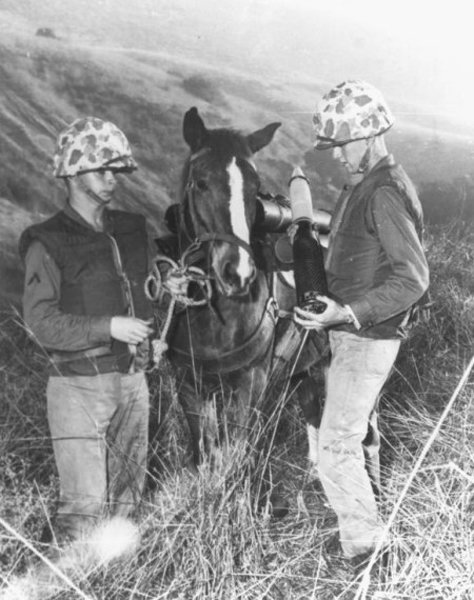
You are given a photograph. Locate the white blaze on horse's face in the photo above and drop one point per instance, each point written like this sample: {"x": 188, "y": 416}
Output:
{"x": 245, "y": 269}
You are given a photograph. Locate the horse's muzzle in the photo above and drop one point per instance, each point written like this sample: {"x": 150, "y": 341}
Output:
{"x": 234, "y": 278}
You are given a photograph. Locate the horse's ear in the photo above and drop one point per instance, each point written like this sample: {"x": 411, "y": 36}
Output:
{"x": 194, "y": 130}
{"x": 259, "y": 139}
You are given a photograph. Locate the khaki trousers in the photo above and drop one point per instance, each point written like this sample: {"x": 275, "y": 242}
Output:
{"x": 349, "y": 439}
{"x": 99, "y": 429}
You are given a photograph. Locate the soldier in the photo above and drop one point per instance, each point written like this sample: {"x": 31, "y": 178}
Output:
{"x": 376, "y": 272}
{"x": 84, "y": 302}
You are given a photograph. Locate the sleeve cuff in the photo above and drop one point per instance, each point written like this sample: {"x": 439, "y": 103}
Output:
{"x": 353, "y": 319}
{"x": 100, "y": 330}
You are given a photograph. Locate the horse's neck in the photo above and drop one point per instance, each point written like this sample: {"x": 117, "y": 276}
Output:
{"x": 224, "y": 323}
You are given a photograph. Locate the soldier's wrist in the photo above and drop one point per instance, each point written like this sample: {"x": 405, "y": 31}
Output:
{"x": 350, "y": 317}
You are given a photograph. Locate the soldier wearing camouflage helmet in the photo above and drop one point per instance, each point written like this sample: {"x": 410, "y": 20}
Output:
{"x": 376, "y": 273}
{"x": 84, "y": 302}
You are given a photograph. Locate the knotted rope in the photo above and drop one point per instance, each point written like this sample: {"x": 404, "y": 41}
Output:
{"x": 156, "y": 288}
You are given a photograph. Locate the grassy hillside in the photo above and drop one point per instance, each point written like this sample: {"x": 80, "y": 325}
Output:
{"x": 46, "y": 83}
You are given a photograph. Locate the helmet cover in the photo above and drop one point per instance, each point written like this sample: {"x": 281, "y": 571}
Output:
{"x": 351, "y": 111}
{"x": 91, "y": 144}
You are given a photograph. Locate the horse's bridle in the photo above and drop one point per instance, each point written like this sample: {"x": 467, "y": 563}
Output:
{"x": 188, "y": 227}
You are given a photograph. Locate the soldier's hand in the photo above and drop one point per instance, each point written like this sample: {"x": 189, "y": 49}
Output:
{"x": 291, "y": 232}
{"x": 307, "y": 319}
{"x": 130, "y": 329}
{"x": 334, "y": 314}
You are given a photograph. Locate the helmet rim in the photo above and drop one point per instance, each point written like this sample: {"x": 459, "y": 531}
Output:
{"x": 323, "y": 143}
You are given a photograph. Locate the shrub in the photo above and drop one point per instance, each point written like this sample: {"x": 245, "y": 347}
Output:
{"x": 46, "y": 32}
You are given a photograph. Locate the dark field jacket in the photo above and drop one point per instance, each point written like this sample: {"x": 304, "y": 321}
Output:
{"x": 375, "y": 261}
{"x": 77, "y": 280}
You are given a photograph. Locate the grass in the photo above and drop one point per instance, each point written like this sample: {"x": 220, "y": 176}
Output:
{"x": 203, "y": 536}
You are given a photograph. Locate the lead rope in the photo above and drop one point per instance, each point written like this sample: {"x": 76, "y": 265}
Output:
{"x": 155, "y": 288}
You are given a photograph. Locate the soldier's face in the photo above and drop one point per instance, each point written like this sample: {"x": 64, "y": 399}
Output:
{"x": 350, "y": 155}
{"x": 102, "y": 183}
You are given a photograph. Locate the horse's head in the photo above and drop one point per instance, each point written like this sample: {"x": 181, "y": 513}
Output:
{"x": 220, "y": 185}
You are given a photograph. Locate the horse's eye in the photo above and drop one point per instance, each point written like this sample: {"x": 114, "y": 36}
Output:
{"x": 201, "y": 185}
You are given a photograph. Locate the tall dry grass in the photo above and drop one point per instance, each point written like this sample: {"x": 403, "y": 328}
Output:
{"x": 207, "y": 537}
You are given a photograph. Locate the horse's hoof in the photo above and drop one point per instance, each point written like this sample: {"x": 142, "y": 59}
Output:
{"x": 278, "y": 506}
{"x": 191, "y": 467}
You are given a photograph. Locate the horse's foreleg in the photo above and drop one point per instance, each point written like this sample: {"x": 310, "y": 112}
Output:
{"x": 310, "y": 395}
{"x": 192, "y": 404}
{"x": 258, "y": 422}
{"x": 250, "y": 397}
{"x": 247, "y": 401}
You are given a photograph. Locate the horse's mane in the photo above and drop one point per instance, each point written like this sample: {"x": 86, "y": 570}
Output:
{"x": 228, "y": 142}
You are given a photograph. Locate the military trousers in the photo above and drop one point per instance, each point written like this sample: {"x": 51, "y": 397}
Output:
{"x": 99, "y": 430}
{"x": 349, "y": 439}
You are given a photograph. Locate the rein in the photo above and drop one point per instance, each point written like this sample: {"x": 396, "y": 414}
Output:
{"x": 154, "y": 287}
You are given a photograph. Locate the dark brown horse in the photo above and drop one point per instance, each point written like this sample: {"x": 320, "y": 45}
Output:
{"x": 225, "y": 348}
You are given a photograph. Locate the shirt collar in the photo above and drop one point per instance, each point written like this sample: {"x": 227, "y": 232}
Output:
{"x": 75, "y": 216}
{"x": 386, "y": 161}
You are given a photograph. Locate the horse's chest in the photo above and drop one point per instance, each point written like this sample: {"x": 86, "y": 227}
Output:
{"x": 223, "y": 338}
{"x": 212, "y": 330}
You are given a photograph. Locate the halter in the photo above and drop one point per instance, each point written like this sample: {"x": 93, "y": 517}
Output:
{"x": 197, "y": 241}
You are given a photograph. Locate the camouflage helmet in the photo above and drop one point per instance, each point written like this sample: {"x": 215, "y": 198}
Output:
{"x": 353, "y": 110}
{"x": 90, "y": 144}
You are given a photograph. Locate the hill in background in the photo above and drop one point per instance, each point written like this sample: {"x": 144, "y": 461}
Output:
{"x": 46, "y": 82}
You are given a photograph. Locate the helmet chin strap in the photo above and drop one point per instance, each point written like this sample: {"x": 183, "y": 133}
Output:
{"x": 90, "y": 193}
{"x": 364, "y": 161}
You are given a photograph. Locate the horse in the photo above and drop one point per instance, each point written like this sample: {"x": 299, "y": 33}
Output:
{"x": 227, "y": 342}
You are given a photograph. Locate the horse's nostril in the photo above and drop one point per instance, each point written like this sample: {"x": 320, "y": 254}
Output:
{"x": 253, "y": 274}
{"x": 239, "y": 282}
{"x": 229, "y": 272}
